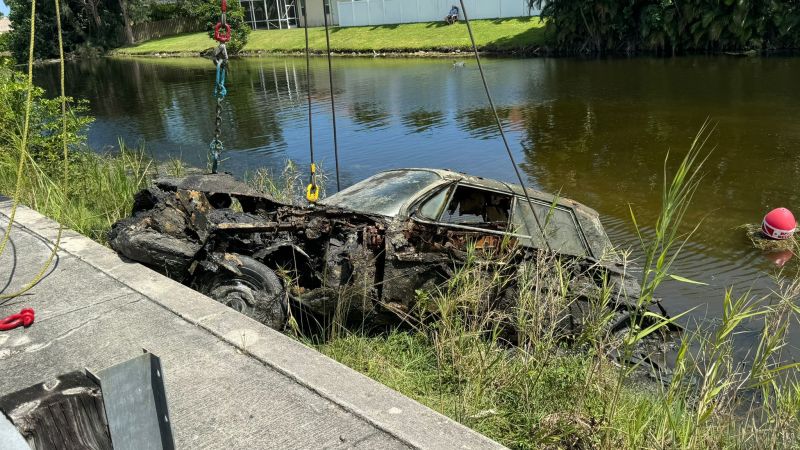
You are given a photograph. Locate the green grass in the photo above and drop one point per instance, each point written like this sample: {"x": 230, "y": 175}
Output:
{"x": 501, "y": 35}
{"x": 518, "y": 400}
{"x": 546, "y": 393}
{"x": 100, "y": 191}
{"x": 182, "y": 43}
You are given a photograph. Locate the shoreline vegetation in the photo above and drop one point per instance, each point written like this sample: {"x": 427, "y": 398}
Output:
{"x": 564, "y": 27}
{"x": 538, "y": 390}
{"x": 516, "y": 36}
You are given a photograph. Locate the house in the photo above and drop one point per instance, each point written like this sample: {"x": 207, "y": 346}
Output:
{"x": 5, "y": 25}
{"x": 353, "y": 13}
{"x": 269, "y": 14}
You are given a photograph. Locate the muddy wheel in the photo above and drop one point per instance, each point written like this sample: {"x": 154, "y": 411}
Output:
{"x": 256, "y": 292}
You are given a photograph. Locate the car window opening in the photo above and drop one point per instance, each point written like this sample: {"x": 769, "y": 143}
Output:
{"x": 478, "y": 208}
{"x": 560, "y": 227}
{"x": 432, "y": 207}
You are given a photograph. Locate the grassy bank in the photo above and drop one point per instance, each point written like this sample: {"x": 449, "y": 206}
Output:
{"x": 535, "y": 389}
{"x": 502, "y": 35}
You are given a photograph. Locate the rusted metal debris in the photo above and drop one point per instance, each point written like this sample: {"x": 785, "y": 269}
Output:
{"x": 365, "y": 251}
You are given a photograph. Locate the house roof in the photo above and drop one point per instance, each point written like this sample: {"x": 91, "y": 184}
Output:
{"x": 5, "y": 25}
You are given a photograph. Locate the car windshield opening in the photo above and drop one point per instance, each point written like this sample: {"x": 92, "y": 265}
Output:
{"x": 384, "y": 193}
{"x": 478, "y": 208}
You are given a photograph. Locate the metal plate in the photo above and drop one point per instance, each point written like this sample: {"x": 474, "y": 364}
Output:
{"x": 136, "y": 404}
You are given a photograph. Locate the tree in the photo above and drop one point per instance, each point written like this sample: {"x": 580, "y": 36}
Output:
{"x": 89, "y": 26}
{"x": 92, "y": 26}
{"x": 126, "y": 22}
{"x": 668, "y": 26}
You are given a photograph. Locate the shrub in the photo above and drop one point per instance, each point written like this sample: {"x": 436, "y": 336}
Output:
{"x": 669, "y": 26}
{"x": 94, "y": 23}
{"x": 5, "y": 42}
{"x": 44, "y": 138}
{"x": 100, "y": 188}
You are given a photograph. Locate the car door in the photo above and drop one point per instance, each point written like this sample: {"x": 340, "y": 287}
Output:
{"x": 471, "y": 215}
{"x": 427, "y": 247}
{"x": 553, "y": 222}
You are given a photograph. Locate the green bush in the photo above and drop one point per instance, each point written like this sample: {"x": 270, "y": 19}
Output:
{"x": 44, "y": 137}
{"x": 5, "y": 42}
{"x": 82, "y": 25}
{"x": 165, "y": 11}
{"x": 669, "y": 26}
{"x": 100, "y": 188}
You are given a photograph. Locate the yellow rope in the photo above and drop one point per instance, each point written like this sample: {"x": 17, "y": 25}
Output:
{"x": 24, "y": 152}
{"x": 21, "y": 166}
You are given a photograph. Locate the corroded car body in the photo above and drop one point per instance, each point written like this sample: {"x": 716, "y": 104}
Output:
{"x": 367, "y": 250}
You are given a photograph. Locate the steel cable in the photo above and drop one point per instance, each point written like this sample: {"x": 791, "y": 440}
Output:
{"x": 308, "y": 83}
{"x": 333, "y": 101}
{"x": 312, "y": 190}
{"x": 500, "y": 126}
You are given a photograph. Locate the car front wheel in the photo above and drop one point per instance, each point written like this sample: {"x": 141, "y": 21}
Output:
{"x": 256, "y": 291}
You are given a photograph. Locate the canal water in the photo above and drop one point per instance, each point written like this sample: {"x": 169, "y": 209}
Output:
{"x": 597, "y": 131}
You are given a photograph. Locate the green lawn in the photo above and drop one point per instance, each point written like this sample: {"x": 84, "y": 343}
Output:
{"x": 501, "y": 35}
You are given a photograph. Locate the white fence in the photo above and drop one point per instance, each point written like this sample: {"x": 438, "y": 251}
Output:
{"x": 353, "y": 13}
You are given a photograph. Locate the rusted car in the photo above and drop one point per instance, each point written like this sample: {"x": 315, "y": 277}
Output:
{"x": 366, "y": 251}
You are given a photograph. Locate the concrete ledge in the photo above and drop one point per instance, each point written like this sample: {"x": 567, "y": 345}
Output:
{"x": 406, "y": 420}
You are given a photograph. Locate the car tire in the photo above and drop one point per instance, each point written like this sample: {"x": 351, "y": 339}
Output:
{"x": 256, "y": 291}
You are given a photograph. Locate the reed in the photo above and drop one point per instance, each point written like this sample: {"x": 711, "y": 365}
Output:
{"x": 100, "y": 190}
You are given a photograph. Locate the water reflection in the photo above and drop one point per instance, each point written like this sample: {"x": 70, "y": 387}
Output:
{"x": 595, "y": 130}
{"x": 420, "y": 121}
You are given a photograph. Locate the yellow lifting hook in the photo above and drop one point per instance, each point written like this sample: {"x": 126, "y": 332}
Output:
{"x": 312, "y": 191}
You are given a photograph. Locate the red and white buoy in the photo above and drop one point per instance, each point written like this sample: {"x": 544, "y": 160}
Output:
{"x": 779, "y": 224}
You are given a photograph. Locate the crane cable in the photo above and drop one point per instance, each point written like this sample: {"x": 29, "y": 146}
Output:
{"x": 25, "y": 155}
{"x": 500, "y": 126}
{"x": 333, "y": 100}
{"x": 312, "y": 190}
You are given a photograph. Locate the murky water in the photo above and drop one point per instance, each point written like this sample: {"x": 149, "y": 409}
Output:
{"x": 595, "y": 130}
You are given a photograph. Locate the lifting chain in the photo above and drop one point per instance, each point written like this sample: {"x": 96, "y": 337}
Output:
{"x": 222, "y": 34}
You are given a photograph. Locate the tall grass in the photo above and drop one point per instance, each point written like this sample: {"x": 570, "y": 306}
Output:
{"x": 288, "y": 186}
{"x": 100, "y": 190}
